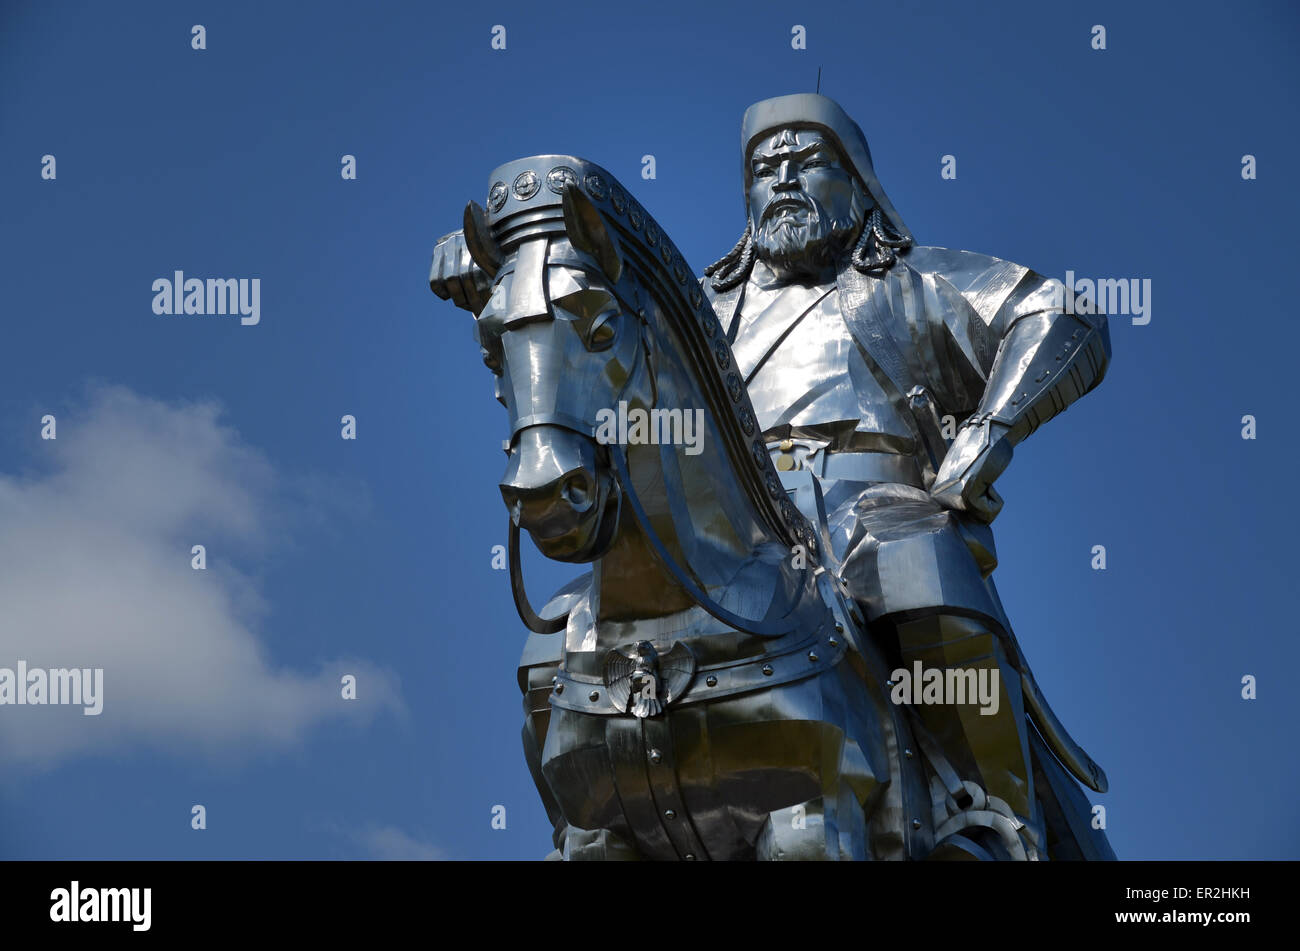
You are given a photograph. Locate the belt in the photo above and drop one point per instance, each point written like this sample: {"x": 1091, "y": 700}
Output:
{"x": 585, "y": 693}
{"x": 864, "y": 466}
{"x": 585, "y": 690}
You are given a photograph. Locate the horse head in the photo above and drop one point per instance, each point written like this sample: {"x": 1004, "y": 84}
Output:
{"x": 592, "y": 308}
{"x": 562, "y": 335}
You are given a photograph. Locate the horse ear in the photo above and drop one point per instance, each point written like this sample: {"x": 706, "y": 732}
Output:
{"x": 588, "y": 232}
{"x": 478, "y": 239}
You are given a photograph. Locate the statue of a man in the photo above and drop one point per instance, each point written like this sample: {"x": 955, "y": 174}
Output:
{"x": 899, "y": 378}
{"x": 856, "y": 344}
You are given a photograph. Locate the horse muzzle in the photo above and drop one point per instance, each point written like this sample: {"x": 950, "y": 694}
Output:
{"x": 560, "y": 490}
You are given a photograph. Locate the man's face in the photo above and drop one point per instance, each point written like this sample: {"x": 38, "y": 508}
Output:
{"x": 804, "y": 204}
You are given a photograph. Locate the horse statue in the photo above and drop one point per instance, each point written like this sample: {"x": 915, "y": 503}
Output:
{"x": 708, "y": 690}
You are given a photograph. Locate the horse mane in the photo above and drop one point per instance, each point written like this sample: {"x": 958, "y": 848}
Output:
{"x": 662, "y": 272}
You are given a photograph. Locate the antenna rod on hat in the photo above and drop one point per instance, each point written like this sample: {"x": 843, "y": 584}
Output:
{"x": 819, "y": 80}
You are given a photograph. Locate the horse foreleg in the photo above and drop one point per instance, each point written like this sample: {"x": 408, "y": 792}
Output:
{"x": 831, "y": 827}
{"x": 797, "y": 834}
{"x": 594, "y": 845}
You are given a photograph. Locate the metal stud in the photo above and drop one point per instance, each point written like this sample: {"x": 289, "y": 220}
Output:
{"x": 594, "y": 696}
{"x": 812, "y": 656}
{"x": 559, "y": 688}
{"x": 655, "y": 756}
{"x": 670, "y": 814}
{"x": 916, "y": 823}
{"x": 767, "y": 670}
{"x": 711, "y": 680}
{"x": 526, "y": 185}
{"x": 833, "y": 642}
{"x": 690, "y": 856}
{"x": 908, "y": 753}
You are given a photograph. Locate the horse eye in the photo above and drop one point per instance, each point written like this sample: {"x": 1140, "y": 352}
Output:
{"x": 603, "y": 331}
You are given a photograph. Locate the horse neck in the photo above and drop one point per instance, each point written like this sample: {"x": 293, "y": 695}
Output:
{"x": 696, "y": 510}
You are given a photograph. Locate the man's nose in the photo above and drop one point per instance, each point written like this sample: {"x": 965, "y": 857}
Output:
{"x": 787, "y": 178}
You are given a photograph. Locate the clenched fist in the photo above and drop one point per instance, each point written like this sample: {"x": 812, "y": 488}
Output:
{"x": 454, "y": 276}
{"x": 976, "y": 457}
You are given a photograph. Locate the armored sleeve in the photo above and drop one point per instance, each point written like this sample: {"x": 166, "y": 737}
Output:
{"x": 1046, "y": 359}
{"x": 1020, "y": 358}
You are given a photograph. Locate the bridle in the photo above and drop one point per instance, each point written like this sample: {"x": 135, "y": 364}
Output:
{"x": 681, "y": 573}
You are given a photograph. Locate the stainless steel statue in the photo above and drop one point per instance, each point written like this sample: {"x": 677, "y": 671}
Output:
{"x": 727, "y": 682}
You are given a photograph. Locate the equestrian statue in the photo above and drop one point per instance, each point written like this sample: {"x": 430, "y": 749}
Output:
{"x": 789, "y": 644}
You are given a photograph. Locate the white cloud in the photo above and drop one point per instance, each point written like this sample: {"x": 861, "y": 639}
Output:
{"x": 392, "y": 844}
{"x": 95, "y": 572}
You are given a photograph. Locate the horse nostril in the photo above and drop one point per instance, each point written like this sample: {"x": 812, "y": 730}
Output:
{"x": 576, "y": 490}
{"x": 513, "y": 502}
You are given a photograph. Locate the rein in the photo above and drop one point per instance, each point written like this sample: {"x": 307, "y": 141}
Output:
{"x": 532, "y": 620}
{"x": 682, "y": 574}
{"x": 761, "y": 628}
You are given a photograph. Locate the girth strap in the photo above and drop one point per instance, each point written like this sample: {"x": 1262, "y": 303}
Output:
{"x": 587, "y": 693}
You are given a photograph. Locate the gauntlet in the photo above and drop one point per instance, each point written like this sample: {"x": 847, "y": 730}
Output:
{"x": 1045, "y": 363}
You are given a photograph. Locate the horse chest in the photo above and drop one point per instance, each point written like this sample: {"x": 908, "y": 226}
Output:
{"x": 700, "y": 780}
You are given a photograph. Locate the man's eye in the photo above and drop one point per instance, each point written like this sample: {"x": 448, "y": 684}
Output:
{"x": 764, "y": 171}
{"x": 815, "y": 163}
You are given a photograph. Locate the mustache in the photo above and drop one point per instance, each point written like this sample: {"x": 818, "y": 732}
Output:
{"x": 787, "y": 201}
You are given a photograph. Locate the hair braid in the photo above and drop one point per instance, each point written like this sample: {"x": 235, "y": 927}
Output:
{"x": 734, "y": 266}
{"x": 874, "y": 253}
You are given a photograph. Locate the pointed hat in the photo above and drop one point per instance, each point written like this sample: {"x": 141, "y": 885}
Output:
{"x": 811, "y": 110}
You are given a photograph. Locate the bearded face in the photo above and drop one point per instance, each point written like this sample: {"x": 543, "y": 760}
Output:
{"x": 805, "y": 206}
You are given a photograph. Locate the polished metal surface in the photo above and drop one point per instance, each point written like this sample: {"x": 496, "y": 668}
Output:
{"x": 719, "y": 686}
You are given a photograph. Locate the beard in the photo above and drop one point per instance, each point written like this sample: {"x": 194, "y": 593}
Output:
{"x": 805, "y": 241}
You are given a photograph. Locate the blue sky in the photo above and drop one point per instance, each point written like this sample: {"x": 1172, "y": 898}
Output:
{"x": 373, "y": 556}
